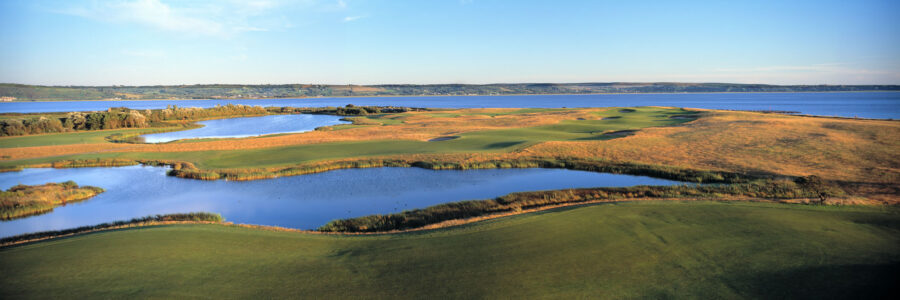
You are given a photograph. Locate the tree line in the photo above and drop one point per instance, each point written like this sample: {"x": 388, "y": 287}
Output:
{"x": 119, "y": 117}
{"x": 348, "y": 110}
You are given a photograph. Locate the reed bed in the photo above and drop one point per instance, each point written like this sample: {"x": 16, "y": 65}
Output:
{"x": 27, "y": 200}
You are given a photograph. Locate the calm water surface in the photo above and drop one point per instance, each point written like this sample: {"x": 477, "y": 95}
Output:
{"x": 305, "y": 202}
{"x": 246, "y": 127}
{"x": 881, "y": 105}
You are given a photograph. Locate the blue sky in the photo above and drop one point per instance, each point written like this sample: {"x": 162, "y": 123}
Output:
{"x": 148, "y": 42}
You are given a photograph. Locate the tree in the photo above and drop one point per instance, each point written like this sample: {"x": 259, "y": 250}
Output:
{"x": 818, "y": 187}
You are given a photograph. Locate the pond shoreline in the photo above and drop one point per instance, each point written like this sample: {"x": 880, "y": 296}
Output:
{"x": 14, "y": 241}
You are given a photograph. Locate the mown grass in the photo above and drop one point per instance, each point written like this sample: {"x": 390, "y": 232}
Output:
{"x": 626, "y": 250}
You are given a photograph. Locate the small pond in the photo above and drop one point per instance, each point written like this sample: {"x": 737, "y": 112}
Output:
{"x": 247, "y": 127}
{"x": 304, "y": 202}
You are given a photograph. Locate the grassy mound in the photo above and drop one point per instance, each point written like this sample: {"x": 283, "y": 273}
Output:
{"x": 628, "y": 250}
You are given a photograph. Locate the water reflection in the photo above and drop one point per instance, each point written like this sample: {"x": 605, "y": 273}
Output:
{"x": 246, "y": 127}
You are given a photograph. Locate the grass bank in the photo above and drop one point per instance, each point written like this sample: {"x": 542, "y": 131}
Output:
{"x": 194, "y": 217}
{"x": 625, "y": 250}
{"x": 516, "y": 202}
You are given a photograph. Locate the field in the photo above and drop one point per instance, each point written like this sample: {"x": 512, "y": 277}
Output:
{"x": 646, "y": 249}
{"x": 859, "y": 153}
{"x": 626, "y": 250}
{"x": 484, "y": 130}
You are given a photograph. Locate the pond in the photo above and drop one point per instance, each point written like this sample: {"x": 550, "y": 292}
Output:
{"x": 304, "y": 202}
{"x": 878, "y": 105}
{"x": 246, "y": 127}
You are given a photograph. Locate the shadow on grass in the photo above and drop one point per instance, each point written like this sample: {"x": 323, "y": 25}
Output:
{"x": 502, "y": 145}
{"x": 856, "y": 281}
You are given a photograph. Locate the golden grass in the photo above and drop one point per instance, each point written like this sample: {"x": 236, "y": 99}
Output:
{"x": 835, "y": 149}
{"x": 24, "y": 200}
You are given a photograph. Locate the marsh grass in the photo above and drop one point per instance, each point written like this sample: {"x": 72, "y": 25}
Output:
{"x": 26, "y": 200}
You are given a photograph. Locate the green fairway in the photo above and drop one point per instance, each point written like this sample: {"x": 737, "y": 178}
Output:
{"x": 644, "y": 250}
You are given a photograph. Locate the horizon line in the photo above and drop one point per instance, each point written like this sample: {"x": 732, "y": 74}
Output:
{"x": 459, "y": 84}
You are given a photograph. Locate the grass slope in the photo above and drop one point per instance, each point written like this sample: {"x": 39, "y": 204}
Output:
{"x": 655, "y": 250}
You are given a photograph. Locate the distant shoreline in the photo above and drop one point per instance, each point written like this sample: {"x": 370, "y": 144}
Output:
{"x": 410, "y": 96}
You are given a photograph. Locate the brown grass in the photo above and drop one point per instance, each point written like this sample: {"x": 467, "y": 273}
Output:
{"x": 835, "y": 149}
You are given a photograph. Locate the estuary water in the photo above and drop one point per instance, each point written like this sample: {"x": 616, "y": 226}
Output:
{"x": 877, "y": 105}
{"x": 246, "y": 127}
{"x": 304, "y": 202}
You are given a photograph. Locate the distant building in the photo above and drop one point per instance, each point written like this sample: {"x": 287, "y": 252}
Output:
{"x": 7, "y": 99}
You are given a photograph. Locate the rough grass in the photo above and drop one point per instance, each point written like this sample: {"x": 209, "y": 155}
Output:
{"x": 628, "y": 250}
{"x": 26, "y": 200}
{"x": 835, "y": 149}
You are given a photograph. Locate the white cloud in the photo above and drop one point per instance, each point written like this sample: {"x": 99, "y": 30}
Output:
{"x": 352, "y": 18}
{"x": 342, "y": 4}
{"x": 218, "y": 18}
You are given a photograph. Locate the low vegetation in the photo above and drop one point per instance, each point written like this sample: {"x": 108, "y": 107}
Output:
{"x": 348, "y": 110}
{"x": 760, "y": 189}
{"x": 188, "y": 170}
{"x": 26, "y": 200}
{"x": 86, "y": 163}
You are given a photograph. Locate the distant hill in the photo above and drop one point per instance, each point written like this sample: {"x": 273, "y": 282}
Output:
{"x": 21, "y": 92}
